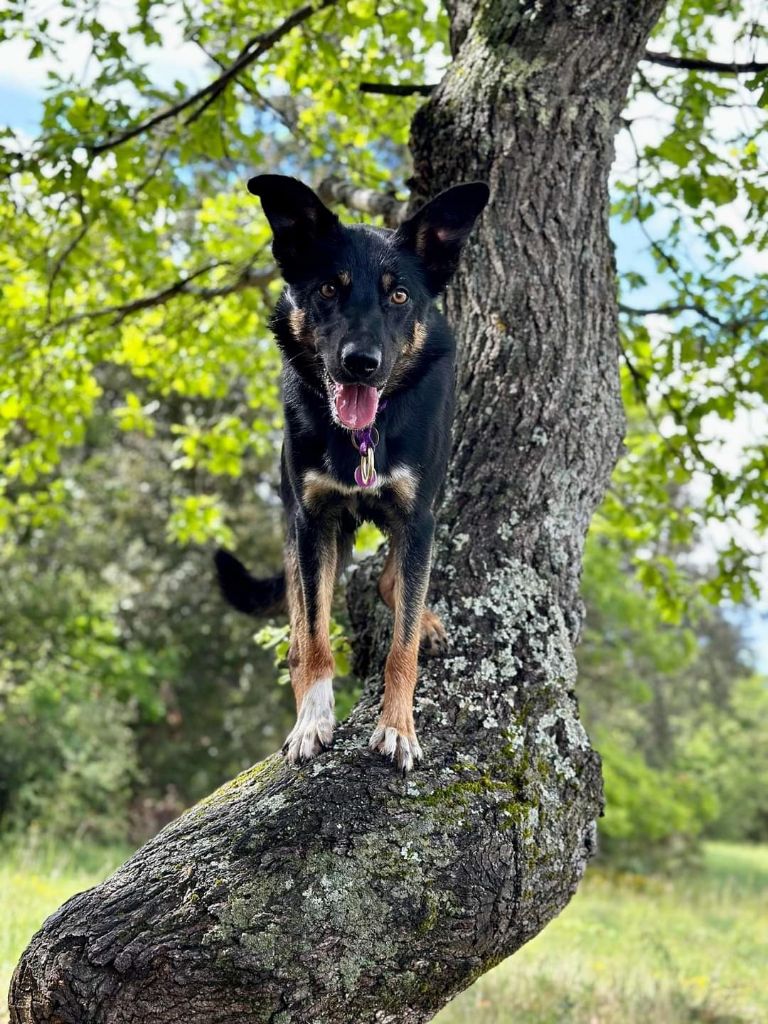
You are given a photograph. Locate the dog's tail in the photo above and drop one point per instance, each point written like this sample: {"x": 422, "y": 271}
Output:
{"x": 245, "y": 592}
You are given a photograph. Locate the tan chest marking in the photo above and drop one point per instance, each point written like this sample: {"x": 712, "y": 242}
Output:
{"x": 401, "y": 480}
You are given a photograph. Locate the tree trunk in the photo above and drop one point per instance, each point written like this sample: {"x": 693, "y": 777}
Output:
{"x": 341, "y": 892}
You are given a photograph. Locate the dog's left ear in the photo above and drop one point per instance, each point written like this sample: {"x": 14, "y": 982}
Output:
{"x": 299, "y": 220}
{"x": 437, "y": 232}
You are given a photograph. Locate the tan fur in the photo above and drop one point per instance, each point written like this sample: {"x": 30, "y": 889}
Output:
{"x": 310, "y": 657}
{"x": 317, "y": 486}
{"x": 405, "y": 360}
{"x": 404, "y": 486}
{"x": 345, "y": 278}
{"x": 419, "y": 336}
{"x": 399, "y": 685}
{"x": 297, "y": 318}
{"x": 401, "y": 669}
{"x": 387, "y": 579}
{"x": 387, "y": 281}
{"x": 318, "y": 663}
{"x": 432, "y": 635}
{"x": 298, "y": 621}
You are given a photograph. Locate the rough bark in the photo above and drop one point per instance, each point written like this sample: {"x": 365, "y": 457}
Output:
{"x": 341, "y": 892}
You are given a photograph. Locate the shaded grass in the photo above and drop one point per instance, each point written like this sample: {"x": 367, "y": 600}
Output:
{"x": 629, "y": 949}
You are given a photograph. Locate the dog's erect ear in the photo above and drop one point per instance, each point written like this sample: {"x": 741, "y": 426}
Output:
{"x": 297, "y": 217}
{"x": 437, "y": 232}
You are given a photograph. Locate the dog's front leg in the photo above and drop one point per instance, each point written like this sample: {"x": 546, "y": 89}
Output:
{"x": 395, "y": 733}
{"x": 310, "y": 570}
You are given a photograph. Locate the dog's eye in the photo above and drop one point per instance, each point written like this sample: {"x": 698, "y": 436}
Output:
{"x": 328, "y": 290}
{"x": 399, "y": 296}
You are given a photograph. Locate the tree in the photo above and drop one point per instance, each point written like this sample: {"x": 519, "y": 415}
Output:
{"x": 340, "y": 892}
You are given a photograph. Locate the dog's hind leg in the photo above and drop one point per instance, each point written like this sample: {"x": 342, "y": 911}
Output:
{"x": 406, "y": 582}
{"x": 433, "y": 638}
{"x": 310, "y": 565}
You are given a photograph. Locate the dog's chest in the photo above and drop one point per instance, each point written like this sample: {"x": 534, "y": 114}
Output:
{"x": 395, "y": 487}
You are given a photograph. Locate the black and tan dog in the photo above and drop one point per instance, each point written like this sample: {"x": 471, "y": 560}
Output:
{"x": 368, "y": 380}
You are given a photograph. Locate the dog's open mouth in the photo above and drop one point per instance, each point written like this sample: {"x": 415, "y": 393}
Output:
{"x": 356, "y": 405}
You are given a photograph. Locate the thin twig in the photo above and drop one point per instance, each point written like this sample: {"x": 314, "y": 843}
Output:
{"x": 248, "y": 278}
{"x": 671, "y": 60}
{"x": 678, "y": 307}
{"x": 63, "y": 256}
{"x": 253, "y": 49}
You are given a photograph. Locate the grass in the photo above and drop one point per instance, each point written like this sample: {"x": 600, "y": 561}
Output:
{"x": 34, "y": 881}
{"x": 629, "y": 949}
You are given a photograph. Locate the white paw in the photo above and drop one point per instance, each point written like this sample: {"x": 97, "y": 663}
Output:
{"x": 403, "y": 750}
{"x": 313, "y": 731}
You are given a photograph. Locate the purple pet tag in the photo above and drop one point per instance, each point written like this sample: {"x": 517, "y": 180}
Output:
{"x": 365, "y": 442}
{"x": 370, "y": 482}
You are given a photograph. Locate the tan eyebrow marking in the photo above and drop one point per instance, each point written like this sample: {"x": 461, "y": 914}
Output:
{"x": 387, "y": 281}
{"x": 345, "y": 277}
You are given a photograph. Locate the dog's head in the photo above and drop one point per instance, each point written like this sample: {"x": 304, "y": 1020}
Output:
{"x": 360, "y": 295}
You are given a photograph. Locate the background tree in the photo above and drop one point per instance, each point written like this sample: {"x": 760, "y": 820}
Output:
{"x": 133, "y": 254}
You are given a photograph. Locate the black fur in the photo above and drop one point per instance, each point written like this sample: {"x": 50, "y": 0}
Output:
{"x": 411, "y": 350}
{"x": 244, "y": 592}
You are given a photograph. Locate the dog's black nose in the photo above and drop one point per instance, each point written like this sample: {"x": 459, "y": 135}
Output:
{"x": 360, "y": 362}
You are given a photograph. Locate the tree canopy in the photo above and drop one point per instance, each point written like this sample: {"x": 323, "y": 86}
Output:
{"x": 137, "y": 275}
{"x": 139, "y": 410}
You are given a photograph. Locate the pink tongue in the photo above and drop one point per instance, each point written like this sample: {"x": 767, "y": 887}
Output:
{"x": 356, "y": 405}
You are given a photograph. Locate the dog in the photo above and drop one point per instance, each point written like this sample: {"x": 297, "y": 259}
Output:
{"x": 368, "y": 391}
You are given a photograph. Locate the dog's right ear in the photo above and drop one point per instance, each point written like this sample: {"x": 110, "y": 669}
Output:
{"x": 297, "y": 217}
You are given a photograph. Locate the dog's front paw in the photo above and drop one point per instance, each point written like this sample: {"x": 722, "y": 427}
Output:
{"x": 313, "y": 731}
{"x": 403, "y": 749}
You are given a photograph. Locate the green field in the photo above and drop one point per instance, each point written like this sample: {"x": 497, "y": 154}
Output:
{"x": 692, "y": 949}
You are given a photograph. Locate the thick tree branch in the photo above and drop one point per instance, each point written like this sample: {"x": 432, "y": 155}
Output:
{"x": 397, "y": 89}
{"x": 364, "y": 200}
{"x": 669, "y": 60}
{"x": 253, "y": 49}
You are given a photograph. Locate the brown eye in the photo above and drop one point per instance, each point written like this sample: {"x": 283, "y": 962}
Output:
{"x": 328, "y": 290}
{"x": 399, "y": 296}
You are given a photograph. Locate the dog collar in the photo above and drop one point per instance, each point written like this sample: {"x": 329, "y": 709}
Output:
{"x": 365, "y": 441}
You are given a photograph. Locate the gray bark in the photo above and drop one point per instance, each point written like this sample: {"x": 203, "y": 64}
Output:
{"x": 341, "y": 892}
